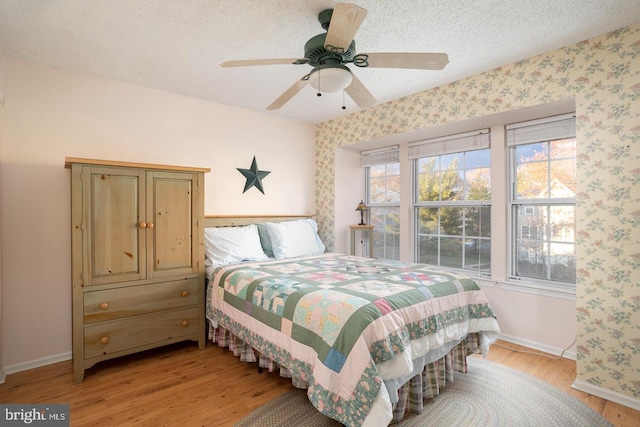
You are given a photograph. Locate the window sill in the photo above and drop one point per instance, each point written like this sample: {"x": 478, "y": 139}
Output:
{"x": 534, "y": 288}
{"x": 530, "y": 287}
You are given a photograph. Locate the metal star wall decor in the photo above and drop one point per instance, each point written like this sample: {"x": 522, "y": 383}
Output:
{"x": 254, "y": 176}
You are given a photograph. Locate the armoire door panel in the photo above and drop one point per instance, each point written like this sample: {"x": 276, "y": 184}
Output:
{"x": 172, "y": 213}
{"x": 115, "y": 238}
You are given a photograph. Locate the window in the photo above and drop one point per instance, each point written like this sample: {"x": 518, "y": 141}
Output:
{"x": 542, "y": 162}
{"x": 382, "y": 176}
{"x": 452, "y": 201}
{"x": 529, "y": 231}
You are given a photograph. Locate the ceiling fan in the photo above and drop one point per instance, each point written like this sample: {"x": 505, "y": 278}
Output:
{"x": 328, "y": 53}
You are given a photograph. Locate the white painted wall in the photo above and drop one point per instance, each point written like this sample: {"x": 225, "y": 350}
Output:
{"x": 349, "y": 191}
{"x": 50, "y": 113}
{"x": 537, "y": 321}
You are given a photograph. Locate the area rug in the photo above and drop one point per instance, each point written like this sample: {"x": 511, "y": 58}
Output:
{"x": 489, "y": 395}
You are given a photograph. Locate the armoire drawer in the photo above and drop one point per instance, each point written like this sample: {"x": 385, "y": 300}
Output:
{"x": 118, "y": 303}
{"x": 112, "y": 337}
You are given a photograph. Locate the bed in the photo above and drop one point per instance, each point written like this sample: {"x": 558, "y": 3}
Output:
{"x": 370, "y": 339}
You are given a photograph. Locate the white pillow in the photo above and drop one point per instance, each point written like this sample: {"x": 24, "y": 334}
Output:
{"x": 294, "y": 238}
{"x": 226, "y": 245}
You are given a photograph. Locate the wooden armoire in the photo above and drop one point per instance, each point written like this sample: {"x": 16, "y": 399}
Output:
{"x": 137, "y": 243}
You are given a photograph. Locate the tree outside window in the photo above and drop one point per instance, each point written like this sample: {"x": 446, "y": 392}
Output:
{"x": 453, "y": 205}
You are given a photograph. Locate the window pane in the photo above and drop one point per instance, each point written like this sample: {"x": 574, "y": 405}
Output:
{"x": 545, "y": 245}
{"x": 563, "y": 223}
{"x": 478, "y": 184}
{"x": 477, "y": 254}
{"x": 391, "y": 247}
{"x": 427, "y": 165}
{"x": 451, "y": 220}
{"x": 563, "y": 178}
{"x": 377, "y": 192}
{"x": 451, "y": 162}
{"x": 393, "y": 169}
{"x": 428, "y": 187}
{"x": 457, "y": 235}
{"x": 563, "y": 149}
{"x": 562, "y": 246}
{"x": 562, "y": 259}
{"x": 383, "y": 185}
{"x": 530, "y": 260}
{"x": 451, "y": 252}
{"x": 377, "y": 170}
{"x": 453, "y": 230}
{"x": 428, "y": 250}
{"x": 451, "y": 185}
{"x": 386, "y": 232}
{"x": 485, "y": 221}
{"x": 428, "y": 221}
{"x": 531, "y": 152}
{"x": 477, "y": 159}
{"x": 532, "y": 180}
{"x": 477, "y": 222}
{"x": 532, "y": 171}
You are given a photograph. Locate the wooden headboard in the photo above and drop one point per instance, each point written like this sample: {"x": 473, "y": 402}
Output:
{"x": 231, "y": 220}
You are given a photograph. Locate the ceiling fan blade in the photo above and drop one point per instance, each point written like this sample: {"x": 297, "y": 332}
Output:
{"x": 418, "y": 61}
{"x": 274, "y": 61}
{"x": 359, "y": 93}
{"x": 345, "y": 22}
{"x": 288, "y": 94}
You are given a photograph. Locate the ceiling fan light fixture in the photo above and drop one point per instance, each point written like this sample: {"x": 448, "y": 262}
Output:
{"x": 331, "y": 79}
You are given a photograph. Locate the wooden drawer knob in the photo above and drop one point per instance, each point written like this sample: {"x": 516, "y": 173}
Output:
{"x": 142, "y": 225}
{"x": 150, "y": 225}
{"x": 104, "y": 340}
{"x": 185, "y": 293}
{"x": 185, "y": 323}
{"x": 104, "y": 306}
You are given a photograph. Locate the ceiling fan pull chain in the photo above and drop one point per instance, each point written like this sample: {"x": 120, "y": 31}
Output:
{"x": 344, "y": 107}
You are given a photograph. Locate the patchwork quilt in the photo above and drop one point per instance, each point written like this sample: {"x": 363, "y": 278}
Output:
{"x": 349, "y": 326}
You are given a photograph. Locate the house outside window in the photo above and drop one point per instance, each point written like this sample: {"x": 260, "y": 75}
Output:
{"x": 452, "y": 201}
{"x": 382, "y": 177}
{"x": 542, "y": 160}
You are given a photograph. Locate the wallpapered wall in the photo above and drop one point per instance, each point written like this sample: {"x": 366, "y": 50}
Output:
{"x": 603, "y": 75}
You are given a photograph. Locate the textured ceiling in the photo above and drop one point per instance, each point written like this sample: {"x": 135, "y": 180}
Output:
{"x": 178, "y": 46}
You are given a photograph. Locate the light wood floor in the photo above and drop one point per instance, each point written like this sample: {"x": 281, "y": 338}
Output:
{"x": 182, "y": 386}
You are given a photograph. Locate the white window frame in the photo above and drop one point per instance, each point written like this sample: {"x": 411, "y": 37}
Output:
{"x": 540, "y": 130}
{"x": 383, "y": 156}
{"x": 458, "y": 143}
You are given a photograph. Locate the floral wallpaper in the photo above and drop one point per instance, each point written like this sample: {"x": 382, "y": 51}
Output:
{"x": 603, "y": 75}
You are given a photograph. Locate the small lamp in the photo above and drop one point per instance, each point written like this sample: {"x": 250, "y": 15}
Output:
{"x": 362, "y": 207}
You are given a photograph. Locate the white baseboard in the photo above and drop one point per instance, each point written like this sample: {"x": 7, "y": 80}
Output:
{"x": 3, "y": 376}
{"x": 8, "y": 370}
{"x": 568, "y": 354}
{"x": 580, "y": 385}
{"x": 604, "y": 393}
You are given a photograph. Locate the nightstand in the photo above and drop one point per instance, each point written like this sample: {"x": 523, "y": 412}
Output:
{"x": 363, "y": 229}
